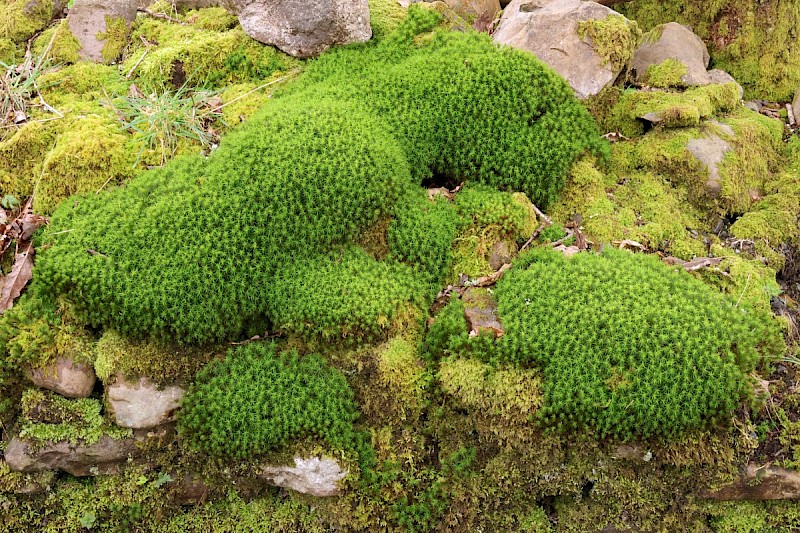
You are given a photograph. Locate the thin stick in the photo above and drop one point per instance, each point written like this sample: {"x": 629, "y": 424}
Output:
{"x": 743, "y": 290}
{"x": 161, "y": 16}
{"x": 130, "y": 72}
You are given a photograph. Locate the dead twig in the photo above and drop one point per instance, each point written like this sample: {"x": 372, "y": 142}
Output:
{"x": 136, "y": 65}
{"x": 546, "y": 221}
{"x": 163, "y": 16}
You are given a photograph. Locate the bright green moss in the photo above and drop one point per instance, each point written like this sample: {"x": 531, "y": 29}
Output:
{"x": 20, "y": 19}
{"x": 289, "y": 187}
{"x": 117, "y": 356}
{"x": 614, "y": 38}
{"x": 753, "y": 40}
{"x": 666, "y": 74}
{"x": 635, "y": 349}
{"x": 204, "y": 57}
{"x": 48, "y": 417}
{"x": 63, "y": 46}
{"x": 448, "y": 333}
{"x": 510, "y": 216}
{"x": 257, "y": 399}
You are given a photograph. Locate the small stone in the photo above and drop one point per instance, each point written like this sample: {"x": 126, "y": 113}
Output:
{"x": 753, "y": 106}
{"x": 314, "y": 476}
{"x": 143, "y": 404}
{"x": 677, "y": 42}
{"x": 710, "y": 151}
{"x": 796, "y": 107}
{"x": 501, "y": 254}
{"x": 480, "y": 310}
{"x": 87, "y": 21}
{"x": 103, "y": 457}
{"x": 721, "y": 77}
{"x": 64, "y": 376}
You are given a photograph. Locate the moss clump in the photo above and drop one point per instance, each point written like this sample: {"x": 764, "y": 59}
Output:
{"x": 614, "y": 38}
{"x": 22, "y": 18}
{"x": 85, "y": 80}
{"x": 59, "y": 43}
{"x": 117, "y": 356}
{"x": 672, "y": 109}
{"x": 8, "y": 51}
{"x": 285, "y": 191}
{"x": 667, "y": 74}
{"x": 753, "y": 40}
{"x": 115, "y": 38}
{"x": 385, "y": 16}
{"x": 404, "y": 378}
{"x": 48, "y": 417}
{"x": 635, "y": 349}
{"x": 503, "y": 400}
{"x": 257, "y": 399}
{"x": 211, "y": 19}
{"x": 748, "y": 281}
{"x": 201, "y": 56}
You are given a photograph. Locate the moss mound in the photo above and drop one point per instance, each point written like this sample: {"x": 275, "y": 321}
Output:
{"x": 192, "y": 252}
{"x": 257, "y": 400}
{"x": 628, "y": 346}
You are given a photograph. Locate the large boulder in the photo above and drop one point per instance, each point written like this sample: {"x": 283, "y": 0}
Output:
{"x": 102, "y": 27}
{"x": 673, "y": 41}
{"x": 66, "y": 377}
{"x": 577, "y": 39}
{"x": 314, "y": 476}
{"x": 103, "y": 457}
{"x": 304, "y": 28}
{"x": 143, "y": 404}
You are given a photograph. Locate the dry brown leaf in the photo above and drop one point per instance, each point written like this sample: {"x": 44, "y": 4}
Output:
{"x": 11, "y": 285}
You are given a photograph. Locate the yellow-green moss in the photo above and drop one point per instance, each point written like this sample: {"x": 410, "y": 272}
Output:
{"x": 244, "y": 100}
{"x": 385, "y": 16}
{"x": 21, "y": 157}
{"x": 672, "y": 109}
{"x": 212, "y": 19}
{"x": 614, "y": 38}
{"x": 747, "y": 281}
{"x": 48, "y": 417}
{"x": 115, "y": 38}
{"x": 201, "y": 56}
{"x": 666, "y": 74}
{"x": 116, "y": 355}
{"x": 503, "y": 400}
{"x": 19, "y": 19}
{"x": 63, "y": 46}
{"x": 85, "y": 79}
{"x": 403, "y": 376}
{"x": 17, "y": 482}
{"x": 8, "y": 51}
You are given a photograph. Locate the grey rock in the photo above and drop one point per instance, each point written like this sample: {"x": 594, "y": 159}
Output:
{"x": 314, "y": 476}
{"x": 143, "y": 404}
{"x": 304, "y": 28}
{"x": 64, "y": 376}
{"x": 549, "y": 30}
{"x": 102, "y": 457}
{"x": 678, "y": 42}
{"x": 753, "y": 106}
{"x": 796, "y": 107}
{"x": 710, "y": 150}
{"x": 87, "y": 19}
{"x": 760, "y": 483}
{"x": 721, "y": 77}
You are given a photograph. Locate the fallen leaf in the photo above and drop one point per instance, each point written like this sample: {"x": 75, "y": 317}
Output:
{"x": 11, "y": 285}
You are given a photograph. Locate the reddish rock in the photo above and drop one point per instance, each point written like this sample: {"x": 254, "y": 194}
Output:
{"x": 64, "y": 376}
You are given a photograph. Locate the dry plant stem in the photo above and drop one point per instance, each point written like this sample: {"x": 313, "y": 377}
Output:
{"x": 545, "y": 222}
{"x": 133, "y": 68}
{"x": 161, "y": 16}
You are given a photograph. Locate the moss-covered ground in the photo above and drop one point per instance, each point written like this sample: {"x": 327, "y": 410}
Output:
{"x": 257, "y": 229}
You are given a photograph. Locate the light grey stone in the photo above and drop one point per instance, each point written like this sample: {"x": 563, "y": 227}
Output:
{"x": 710, "y": 150}
{"x": 143, "y": 404}
{"x": 720, "y": 76}
{"x": 87, "y": 20}
{"x": 678, "y": 42}
{"x": 314, "y": 476}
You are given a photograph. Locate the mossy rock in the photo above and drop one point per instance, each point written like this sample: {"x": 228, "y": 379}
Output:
{"x": 22, "y": 18}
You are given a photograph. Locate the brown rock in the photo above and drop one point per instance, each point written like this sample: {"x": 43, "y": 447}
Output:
{"x": 549, "y": 30}
{"x": 501, "y": 254}
{"x": 64, "y": 376}
{"x": 480, "y": 310}
{"x": 760, "y": 483}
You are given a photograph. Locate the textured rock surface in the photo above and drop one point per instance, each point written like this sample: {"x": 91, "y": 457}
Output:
{"x": 500, "y": 255}
{"x": 720, "y": 76}
{"x": 102, "y": 457}
{"x": 304, "y": 28}
{"x": 87, "y": 19}
{"x": 678, "y": 42}
{"x": 67, "y": 378}
{"x": 143, "y": 404}
{"x": 314, "y": 476}
{"x": 796, "y": 106}
{"x": 761, "y": 483}
{"x": 710, "y": 151}
{"x": 549, "y": 30}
